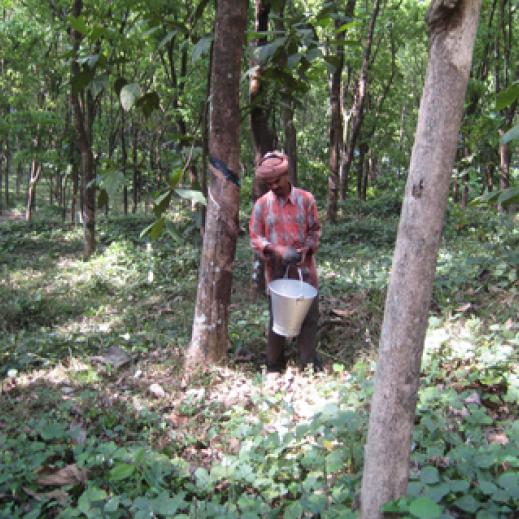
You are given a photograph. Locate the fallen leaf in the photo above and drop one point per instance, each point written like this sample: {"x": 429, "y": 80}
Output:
{"x": 69, "y": 475}
{"x": 343, "y": 313}
{"x": 178, "y": 419}
{"x": 464, "y": 308}
{"x": 234, "y": 445}
{"x": 473, "y": 398}
{"x": 59, "y": 495}
{"x": 157, "y": 391}
{"x": 500, "y": 438}
{"x": 114, "y": 356}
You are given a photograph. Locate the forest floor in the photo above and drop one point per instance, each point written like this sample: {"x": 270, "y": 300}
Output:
{"x": 97, "y": 419}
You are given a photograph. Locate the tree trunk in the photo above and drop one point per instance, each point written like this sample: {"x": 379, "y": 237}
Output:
{"x": 489, "y": 176}
{"x": 362, "y": 171}
{"x": 386, "y": 468}
{"x": 1, "y": 178}
{"x": 75, "y": 174}
{"x": 135, "y": 167}
{"x": 31, "y": 190}
{"x": 83, "y": 114}
{"x": 19, "y": 176}
{"x": 263, "y": 134}
{"x": 357, "y": 110}
{"x": 124, "y": 157}
{"x": 205, "y": 145}
{"x": 209, "y": 341}
{"x": 335, "y": 134}
{"x": 8, "y": 165}
{"x": 287, "y": 105}
{"x": 465, "y": 191}
{"x": 456, "y": 190}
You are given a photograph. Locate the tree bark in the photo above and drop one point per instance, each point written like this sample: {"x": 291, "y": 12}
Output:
{"x": 357, "y": 110}
{"x": 135, "y": 167}
{"x": 83, "y": 114}
{"x": 31, "y": 190}
{"x": 287, "y": 105}
{"x": 124, "y": 157}
{"x": 1, "y": 179}
{"x": 8, "y": 166}
{"x": 263, "y": 134}
{"x": 335, "y": 134}
{"x": 209, "y": 341}
{"x": 452, "y": 28}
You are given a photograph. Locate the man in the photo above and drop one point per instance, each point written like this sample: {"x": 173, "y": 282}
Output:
{"x": 284, "y": 231}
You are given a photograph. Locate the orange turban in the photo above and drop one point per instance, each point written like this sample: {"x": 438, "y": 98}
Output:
{"x": 271, "y": 166}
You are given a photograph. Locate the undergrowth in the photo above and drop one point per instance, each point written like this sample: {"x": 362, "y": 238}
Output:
{"x": 82, "y": 437}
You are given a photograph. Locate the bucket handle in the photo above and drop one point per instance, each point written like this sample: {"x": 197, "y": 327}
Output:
{"x": 300, "y": 280}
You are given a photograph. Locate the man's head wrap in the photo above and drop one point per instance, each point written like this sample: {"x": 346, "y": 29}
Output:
{"x": 271, "y": 166}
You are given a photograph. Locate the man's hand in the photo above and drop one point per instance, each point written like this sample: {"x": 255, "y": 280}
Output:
{"x": 288, "y": 255}
{"x": 291, "y": 256}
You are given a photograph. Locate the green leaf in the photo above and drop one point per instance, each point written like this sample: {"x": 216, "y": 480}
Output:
{"x": 129, "y": 95}
{"x": 487, "y": 487}
{"x": 102, "y": 199}
{"x": 78, "y": 24}
{"x": 52, "y": 431}
{"x": 458, "y": 485}
{"x": 430, "y": 475}
{"x": 155, "y": 229}
{"x": 112, "y": 504}
{"x": 293, "y": 511}
{"x": 264, "y": 52}
{"x": 202, "y": 478}
{"x": 161, "y": 203}
{"x": 396, "y": 505}
{"x": 508, "y": 96}
{"x": 509, "y": 481}
{"x": 112, "y": 182}
{"x": 175, "y": 177}
{"x": 98, "y": 85}
{"x": 468, "y": 504}
{"x": 89, "y": 496}
{"x": 167, "y": 39}
{"x": 509, "y": 196}
{"x": 121, "y": 471}
{"x": 425, "y": 508}
{"x": 148, "y": 103}
{"x": 438, "y": 492}
{"x": 335, "y": 460}
{"x": 168, "y": 506}
{"x": 346, "y": 26}
{"x": 191, "y": 194}
{"x": 90, "y": 61}
{"x": 510, "y": 135}
{"x": 82, "y": 80}
{"x": 201, "y": 48}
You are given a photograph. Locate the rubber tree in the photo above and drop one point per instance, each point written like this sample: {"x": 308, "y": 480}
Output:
{"x": 264, "y": 137}
{"x": 83, "y": 113}
{"x": 452, "y": 30}
{"x": 357, "y": 109}
{"x": 209, "y": 339}
{"x": 335, "y": 127}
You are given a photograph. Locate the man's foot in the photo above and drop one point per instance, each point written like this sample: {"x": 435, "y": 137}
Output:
{"x": 316, "y": 365}
{"x": 276, "y": 368}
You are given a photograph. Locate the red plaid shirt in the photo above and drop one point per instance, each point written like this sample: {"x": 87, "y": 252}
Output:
{"x": 288, "y": 222}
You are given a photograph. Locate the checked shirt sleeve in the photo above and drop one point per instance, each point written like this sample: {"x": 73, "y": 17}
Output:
{"x": 257, "y": 228}
{"x": 314, "y": 229}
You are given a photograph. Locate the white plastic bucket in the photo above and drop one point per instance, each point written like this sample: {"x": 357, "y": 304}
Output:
{"x": 291, "y": 299}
